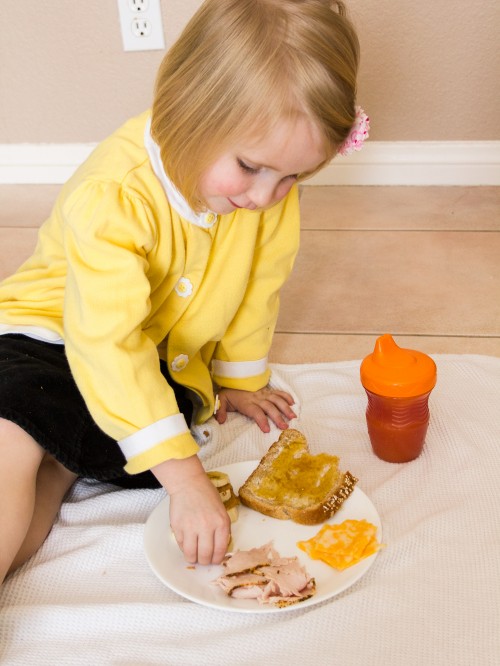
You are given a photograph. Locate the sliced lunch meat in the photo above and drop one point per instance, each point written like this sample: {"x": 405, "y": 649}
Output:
{"x": 234, "y": 585}
{"x": 243, "y": 561}
{"x": 262, "y": 574}
{"x": 289, "y": 576}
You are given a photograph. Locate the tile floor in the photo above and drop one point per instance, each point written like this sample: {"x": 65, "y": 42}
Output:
{"x": 422, "y": 263}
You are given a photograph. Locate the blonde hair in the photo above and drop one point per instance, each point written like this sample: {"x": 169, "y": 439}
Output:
{"x": 239, "y": 67}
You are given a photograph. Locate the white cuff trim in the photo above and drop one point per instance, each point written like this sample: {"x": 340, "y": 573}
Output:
{"x": 239, "y": 370}
{"x": 153, "y": 434}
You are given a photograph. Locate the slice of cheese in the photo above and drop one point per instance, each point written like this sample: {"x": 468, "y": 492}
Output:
{"x": 342, "y": 545}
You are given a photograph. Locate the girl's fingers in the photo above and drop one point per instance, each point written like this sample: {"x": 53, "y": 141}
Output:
{"x": 221, "y": 543}
{"x": 281, "y": 404}
{"x": 189, "y": 547}
{"x": 221, "y": 411}
{"x": 286, "y": 396}
{"x": 260, "y": 406}
{"x": 204, "y": 549}
{"x": 267, "y": 410}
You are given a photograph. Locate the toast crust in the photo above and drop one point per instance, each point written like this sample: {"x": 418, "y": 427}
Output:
{"x": 290, "y": 483}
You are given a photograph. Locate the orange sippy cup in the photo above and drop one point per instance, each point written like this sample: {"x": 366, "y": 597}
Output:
{"x": 398, "y": 383}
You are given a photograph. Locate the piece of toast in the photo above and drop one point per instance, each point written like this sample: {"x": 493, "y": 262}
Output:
{"x": 291, "y": 483}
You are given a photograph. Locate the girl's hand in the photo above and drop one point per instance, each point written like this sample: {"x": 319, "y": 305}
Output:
{"x": 259, "y": 405}
{"x": 198, "y": 518}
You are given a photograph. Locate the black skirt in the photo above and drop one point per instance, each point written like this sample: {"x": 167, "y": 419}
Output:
{"x": 38, "y": 393}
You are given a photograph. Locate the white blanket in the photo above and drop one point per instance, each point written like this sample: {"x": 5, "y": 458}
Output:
{"x": 431, "y": 597}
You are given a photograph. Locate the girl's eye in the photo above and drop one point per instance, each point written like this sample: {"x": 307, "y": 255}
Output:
{"x": 246, "y": 167}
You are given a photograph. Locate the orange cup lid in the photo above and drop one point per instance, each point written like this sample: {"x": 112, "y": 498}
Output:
{"x": 396, "y": 372}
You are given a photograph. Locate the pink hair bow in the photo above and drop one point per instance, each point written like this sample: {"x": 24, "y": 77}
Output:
{"x": 358, "y": 134}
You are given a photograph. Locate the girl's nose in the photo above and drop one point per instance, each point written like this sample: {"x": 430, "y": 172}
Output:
{"x": 262, "y": 194}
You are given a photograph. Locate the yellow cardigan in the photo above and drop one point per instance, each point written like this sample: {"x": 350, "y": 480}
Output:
{"x": 124, "y": 273}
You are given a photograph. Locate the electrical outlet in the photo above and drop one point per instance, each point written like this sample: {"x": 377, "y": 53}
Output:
{"x": 141, "y": 25}
{"x": 138, "y": 5}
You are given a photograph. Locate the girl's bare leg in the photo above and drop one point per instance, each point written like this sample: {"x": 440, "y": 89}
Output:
{"x": 20, "y": 458}
{"x": 52, "y": 484}
{"x": 21, "y": 527}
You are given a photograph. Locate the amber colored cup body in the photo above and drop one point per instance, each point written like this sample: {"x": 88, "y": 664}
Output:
{"x": 397, "y": 426}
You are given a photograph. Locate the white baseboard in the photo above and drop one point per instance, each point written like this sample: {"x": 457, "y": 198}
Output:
{"x": 40, "y": 163}
{"x": 379, "y": 163}
{"x": 416, "y": 163}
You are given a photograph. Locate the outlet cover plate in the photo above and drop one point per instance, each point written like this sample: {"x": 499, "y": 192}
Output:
{"x": 141, "y": 25}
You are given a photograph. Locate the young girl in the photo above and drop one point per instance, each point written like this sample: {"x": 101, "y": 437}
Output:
{"x": 153, "y": 291}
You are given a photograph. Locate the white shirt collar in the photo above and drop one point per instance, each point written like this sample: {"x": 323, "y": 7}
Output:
{"x": 205, "y": 220}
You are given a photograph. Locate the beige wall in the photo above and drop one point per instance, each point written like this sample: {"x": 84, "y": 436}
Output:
{"x": 430, "y": 69}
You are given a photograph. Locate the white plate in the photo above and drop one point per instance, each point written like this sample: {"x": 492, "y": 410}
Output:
{"x": 251, "y": 530}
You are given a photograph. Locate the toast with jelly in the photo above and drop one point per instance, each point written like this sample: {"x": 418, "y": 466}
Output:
{"x": 290, "y": 483}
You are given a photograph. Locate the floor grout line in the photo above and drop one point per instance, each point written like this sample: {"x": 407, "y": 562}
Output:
{"x": 393, "y": 230}
{"x": 394, "y": 333}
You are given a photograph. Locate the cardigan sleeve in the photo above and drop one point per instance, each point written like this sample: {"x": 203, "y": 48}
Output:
{"x": 240, "y": 359}
{"x": 107, "y": 236}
